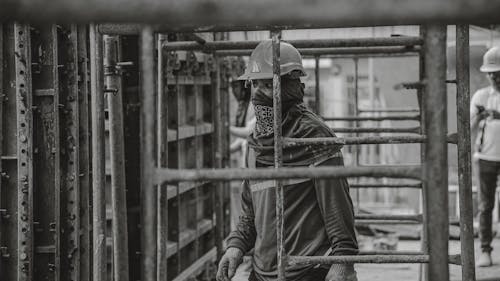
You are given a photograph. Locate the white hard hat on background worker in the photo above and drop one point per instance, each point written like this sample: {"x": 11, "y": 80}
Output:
{"x": 491, "y": 60}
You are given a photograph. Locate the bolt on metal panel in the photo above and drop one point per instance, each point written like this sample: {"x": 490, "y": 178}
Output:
{"x": 24, "y": 152}
{"x": 9, "y": 203}
{"x": 69, "y": 141}
{"x": 47, "y": 188}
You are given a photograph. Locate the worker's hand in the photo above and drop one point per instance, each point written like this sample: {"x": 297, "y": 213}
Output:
{"x": 483, "y": 114}
{"x": 341, "y": 272}
{"x": 494, "y": 114}
{"x": 228, "y": 264}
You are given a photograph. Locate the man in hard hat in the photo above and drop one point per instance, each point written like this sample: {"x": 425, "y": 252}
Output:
{"x": 318, "y": 214}
{"x": 485, "y": 119}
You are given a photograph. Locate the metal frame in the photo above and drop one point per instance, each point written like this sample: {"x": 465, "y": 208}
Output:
{"x": 434, "y": 120}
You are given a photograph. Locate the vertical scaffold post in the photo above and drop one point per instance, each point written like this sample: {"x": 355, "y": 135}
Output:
{"x": 464, "y": 154}
{"x": 98, "y": 154}
{"x": 161, "y": 161}
{"x": 436, "y": 162}
{"x": 116, "y": 138}
{"x": 24, "y": 152}
{"x": 420, "y": 98}
{"x": 148, "y": 192}
{"x": 317, "y": 92}
{"x": 278, "y": 153}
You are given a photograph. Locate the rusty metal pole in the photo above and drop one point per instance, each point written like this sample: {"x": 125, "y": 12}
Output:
{"x": 436, "y": 162}
{"x": 464, "y": 154}
{"x": 113, "y": 85}
{"x": 162, "y": 161}
{"x": 278, "y": 153}
{"x": 98, "y": 154}
{"x": 316, "y": 79}
{"x": 148, "y": 192}
{"x": 421, "y": 97}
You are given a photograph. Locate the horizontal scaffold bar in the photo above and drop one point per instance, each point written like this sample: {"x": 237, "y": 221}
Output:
{"x": 401, "y": 109}
{"x": 360, "y": 43}
{"x": 174, "y": 175}
{"x": 311, "y": 260}
{"x": 417, "y": 218}
{"x": 361, "y": 140}
{"x": 385, "y": 185}
{"x": 318, "y": 51}
{"x": 373, "y": 118}
{"x": 414, "y": 130}
{"x": 368, "y": 222}
{"x": 226, "y": 15}
{"x": 390, "y": 252}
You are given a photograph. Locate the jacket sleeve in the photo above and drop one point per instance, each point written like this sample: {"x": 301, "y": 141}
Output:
{"x": 337, "y": 211}
{"x": 243, "y": 237}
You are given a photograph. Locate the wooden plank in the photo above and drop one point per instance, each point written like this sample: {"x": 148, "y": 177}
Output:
{"x": 70, "y": 145}
{"x": 46, "y": 131}
{"x": 24, "y": 152}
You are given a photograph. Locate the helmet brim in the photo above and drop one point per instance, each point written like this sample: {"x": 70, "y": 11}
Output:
{"x": 489, "y": 68}
{"x": 259, "y": 76}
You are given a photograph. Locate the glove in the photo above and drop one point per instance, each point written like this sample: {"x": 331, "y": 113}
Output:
{"x": 341, "y": 272}
{"x": 228, "y": 264}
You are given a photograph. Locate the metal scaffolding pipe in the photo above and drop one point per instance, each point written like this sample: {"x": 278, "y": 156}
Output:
{"x": 464, "y": 154}
{"x": 278, "y": 154}
{"x": 386, "y": 110}
{"x": 417, "y": 218}
{"x": 385, "y": 185}
{"x": 243, "y": 15}
{"x": 361, "y": 140}
{"x": 326, "y": 51}
{"x": 98, "y": 156}
{"x": 225, "y": 15}
{"x": 148, "y": 192}
{"x": 415, "y": 130}
{"x": 317, "y": 92}
{"x": 174, "y": 175}
{"x": 391, "y": 222}
{"x": 312, "y": 260}
{"x": 361, "y": 44}
{"x": 117, "y": 156}
{"x": 374, "y": 118}
{"x": 436, "y": 161}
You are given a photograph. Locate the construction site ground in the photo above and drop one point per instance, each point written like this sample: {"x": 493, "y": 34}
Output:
{"x": 408, "y": 272}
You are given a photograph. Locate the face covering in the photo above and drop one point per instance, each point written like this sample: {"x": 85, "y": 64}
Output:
{"x": 297, "y": 122}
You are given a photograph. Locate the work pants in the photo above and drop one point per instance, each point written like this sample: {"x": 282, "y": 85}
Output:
{"x": 488, "y": 173}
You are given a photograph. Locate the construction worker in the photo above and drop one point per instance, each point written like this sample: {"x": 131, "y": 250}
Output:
{"x": 318, "y": 214}
{"x": 485, "y": 115}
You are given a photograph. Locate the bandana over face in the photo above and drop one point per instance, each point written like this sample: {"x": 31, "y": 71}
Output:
{"x": 297, "y": 122}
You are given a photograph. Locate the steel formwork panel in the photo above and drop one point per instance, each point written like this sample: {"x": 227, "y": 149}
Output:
{"x": 69, "y": 134}
{"x": 46, "y": 136}
{"x": 8, "y": 192}
{"x": 24, "y": 151}
{"x": 84, "y": 155}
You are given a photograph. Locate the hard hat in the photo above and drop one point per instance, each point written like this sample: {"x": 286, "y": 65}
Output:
{"x": 260, "y": 65}
{"x": 491, "y": 60}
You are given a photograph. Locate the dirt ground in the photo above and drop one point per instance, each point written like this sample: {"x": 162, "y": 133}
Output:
{"x": 404, "y": 272}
